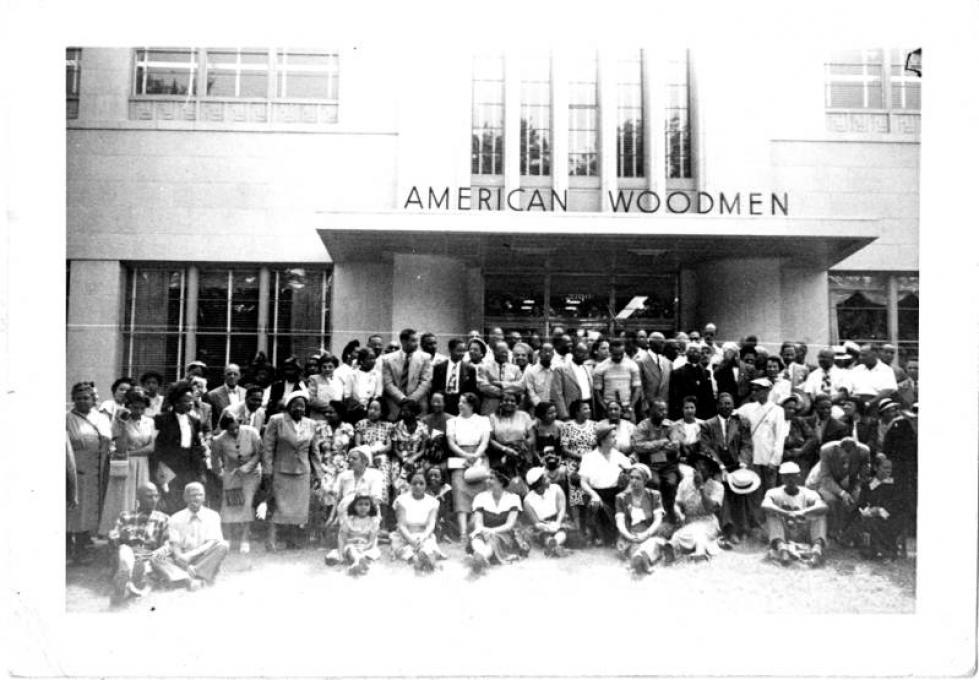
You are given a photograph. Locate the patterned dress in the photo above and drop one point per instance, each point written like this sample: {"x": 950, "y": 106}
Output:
{"x": 335, "y": 442}
{"x": 577, "y": 439}
{"x": 373, "y": 433}
{"x": 90, "y": 436}
{"x": 135, "y": 438}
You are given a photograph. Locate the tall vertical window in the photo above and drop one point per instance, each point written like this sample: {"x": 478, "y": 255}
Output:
{"x": 300, "y": 312}
{"x": 73, "y": 75}
{"x": 583, "y": 116}
{"x": 487, "y": 134}
{"x": 535, "y": 116}
{"x": 629, "y": 122}
{"x": 227, "y": 315}
{"x": 677, "y": 117}
{"x": 307, "y": 75}
{"x": 165, "y": 71}
{"x": 237, "y": 72}
{"x": 859, "y": 307}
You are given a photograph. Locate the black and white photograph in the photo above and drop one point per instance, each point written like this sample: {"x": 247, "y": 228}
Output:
{"x": 388, "y": 352}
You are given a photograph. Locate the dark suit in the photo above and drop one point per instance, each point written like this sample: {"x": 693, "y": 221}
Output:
{"x": 276, "y": 393}
{"x": 186, "y": 463}
{"x": 730, "y": 448}
{"x": 467, "y": 383}
{"x": 833, "y": 430}
{"x": 220, "y": 399}
{"x": 690, "y": 380}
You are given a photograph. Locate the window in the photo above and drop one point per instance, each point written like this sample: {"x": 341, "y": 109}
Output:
{"x": 73, "y": 74}
{"x": 629, "y": 139}
{"x": 306, "y": 75}
{"x": 231, "y": 321}
{"x": 237, "y": 73}
{"x": 487, "y": 134}
{"x": 860, "y": 79}
{"x": 162, "y": 71}
{"x": 583, "y": 117}
{"x": 677, "y": 117}
{"x": 859, "y": 306}
{"x": 535, "y": 116}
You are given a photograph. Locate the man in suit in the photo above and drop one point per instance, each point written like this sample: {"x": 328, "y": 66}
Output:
{"x": 179, "y": 446}
{"x": 291, "y": 382}
{"x": 843, "y": 468}
{"x": 691, "y": 380}
{"x": 497, "y": 378}
{"x": 655, "y": 369}
{"x": 572, "y": 381}
{"x": 824, "y": 426}
{"x": 454, "y": 376}
{"x": 229, "y": 394}
{"x": 727, "y": 439}
{"x": 406, "y": 374}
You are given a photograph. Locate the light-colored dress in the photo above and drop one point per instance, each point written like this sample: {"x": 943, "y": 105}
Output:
{"x": 134, "y": 438}
{"x": 513, "y": 431}
{"x": 291, "y": 452}
{"x": 238, "y": 459}
{"x": 508, "y": 545}
{"x": 359, "y": 532}
{"x": 639, "y": 514}
{"x": 700, "y": 528}
{"x": 623, "y": 434}
{"x": 416, "y": 514}
{"x": 373, "y": 434}
{"x": 468, "y": 432}
{"x": 91, "y": 439}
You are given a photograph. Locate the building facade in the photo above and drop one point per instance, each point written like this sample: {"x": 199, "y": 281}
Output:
{"x": 225, "y": 201}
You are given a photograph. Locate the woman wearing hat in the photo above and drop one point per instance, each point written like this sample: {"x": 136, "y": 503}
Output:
{"x": 546, "y": 510}
{"x": 237, "y": 452}
{"x": 601, "y": 469}
{"x": 496, "y": 535}
{"x": 291, "y": 457}
{"x": 133, "y": 437}
{"x": 639, "y": 518}
{"x": 467, "y": 436}
{"x": 417, "y": 514}
{"x": 90, "y": 435}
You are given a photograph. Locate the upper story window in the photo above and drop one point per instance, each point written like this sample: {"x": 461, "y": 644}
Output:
{"x": 535, "y": 116}
{"x": 487, "y": 132}
{"x": 583, "y": 116}
{"x": 678, "y": 150}
{"x": 236, "y": 84}
{"x": 629, "y": 121}
{"x": 870, "y": 91}
{"x": 73, "y": 75}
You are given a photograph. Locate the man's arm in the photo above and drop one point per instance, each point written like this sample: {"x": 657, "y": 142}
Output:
{"x": 424, "y": 381}
{"x": 826, "y": 480}
{"x": 484, "y": 384}
{"x": 390, "y": 384}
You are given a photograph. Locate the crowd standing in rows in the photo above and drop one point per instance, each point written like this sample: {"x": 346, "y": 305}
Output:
{"x": 657, "y": 448}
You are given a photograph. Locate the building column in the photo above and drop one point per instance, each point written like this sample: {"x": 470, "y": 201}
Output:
{"x": 264, "y": 281}
{"x": 190, "y": 339}
{"x": 607, "y": 137}
{"x": 892, "y": 295}
{"x": 511, "y": 124}
{"x": 559, "y": 122}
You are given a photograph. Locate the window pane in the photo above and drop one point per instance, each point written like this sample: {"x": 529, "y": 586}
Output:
{"x": 244, "y": 302}
{"x": 514, "y": 297}
{"x": 220, "y": 84}
{"x": 212, "y": 302}
{"x": 152, "y": 321}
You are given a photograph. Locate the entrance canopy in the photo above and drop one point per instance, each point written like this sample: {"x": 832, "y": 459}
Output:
{"x": 492, "y": 239}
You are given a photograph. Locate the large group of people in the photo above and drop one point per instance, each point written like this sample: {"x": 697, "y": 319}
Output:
{"x": 659, "y": 449}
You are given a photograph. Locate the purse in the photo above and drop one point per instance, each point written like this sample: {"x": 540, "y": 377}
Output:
{"x": 477, "y": 472}
{"x": 119, "y": 468}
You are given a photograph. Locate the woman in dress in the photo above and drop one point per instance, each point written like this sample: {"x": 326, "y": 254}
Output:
{"x": 358, "y": 479}
{"x": 600, "y": 471}
{"x": 686, "y": 431}
{"x": 112, "y": 406}
{"x": 476, "y": 351}
{"x": 365, "y": 385}
{"x": 781, "y": 385}
{"x": 237, "y": 455}
{"x": 291, "y": 457}
{"x": 638, "y": 518}
{"x": 623, "y": 428}
{"x": 511, "y": 440}
{"x": 467, "y": 437}
{"x": 547, "y": 431}
{"x": 577, "y": 439}
{"x": 445, "y": 528}
{"x": 698, "y": 498}
{"x": 90, "y": 436}
{"x": 437, "y": 422}
{"x": 546, "y": 509}
{"x": 360, "y": 527}
{"x": 495, "y": 536}
{"x": 409, "y": 442}
{"x": 375, "y": 433}
{"x": 417, "y": 514}
{"x": 133, "y": 438}
{"x": 326, "y": 389}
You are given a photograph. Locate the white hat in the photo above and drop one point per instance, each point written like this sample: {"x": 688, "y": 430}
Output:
{"x": 533, "y": 475}
{"x": 789, "y": 468}
{"x": 762, "y": 382}
{"x": 743, "y": 481}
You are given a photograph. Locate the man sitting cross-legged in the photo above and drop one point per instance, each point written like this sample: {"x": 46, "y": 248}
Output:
{"x": 141, "y": 540}
{"x": 794, "y": 515}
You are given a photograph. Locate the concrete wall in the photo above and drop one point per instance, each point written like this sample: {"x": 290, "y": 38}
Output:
{"x": 429, "y": 295}
{"x": 361, "y": 302}
{"x": 742, "y": 297}
{"x": 805, "y": 305}
{"x": 95, "y": 314}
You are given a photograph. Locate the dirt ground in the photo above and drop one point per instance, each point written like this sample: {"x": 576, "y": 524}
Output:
{"x": 739, "y": 580}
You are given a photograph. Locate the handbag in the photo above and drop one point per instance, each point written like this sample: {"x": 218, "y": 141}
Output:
{"x": 119, "y": 468}
{"x": 477, "y": 472}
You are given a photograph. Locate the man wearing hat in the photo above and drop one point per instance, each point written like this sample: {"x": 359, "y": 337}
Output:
{"x": 794, "y": 514}
{"x": 900, "y": 445}
{"x": 828, "y": 378}
{"x": 726, "y": 439}
{"x": 872, "y": 378}
{"x": 652, "y": 445}
{"x": 291, "y": 381}
{"x": 843, "y": 467}
{"x": 766, "y": 422}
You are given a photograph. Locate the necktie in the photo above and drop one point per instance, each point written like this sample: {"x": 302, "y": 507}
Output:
{"x": 826, "y": 384}
{"x": 501, "y": 372}
{"x": 451, "y": 385}
{"x": 404, "y": 373}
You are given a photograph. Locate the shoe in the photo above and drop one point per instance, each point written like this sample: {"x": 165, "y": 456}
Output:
{"x": 817, "y": 558}
{"x": 195, "y": 584}
{"x": 639, "y": 563}
{"x": 724, "y": 543}
{"x": 784, "y": 557}
{"x": 136, "y": 591}
{"x": 244, "y": 548}
{"x": 669, "y": 554}
{"x": 479, "y": 563}
{"x": 423, "y": 562}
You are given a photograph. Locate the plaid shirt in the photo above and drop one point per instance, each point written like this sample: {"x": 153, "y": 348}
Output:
{"x": 141, "y": 530}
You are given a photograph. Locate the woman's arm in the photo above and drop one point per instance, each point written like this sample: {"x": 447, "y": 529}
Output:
{"x": 478, "y": 527}
{"x": 450, "y": 439}
{"x": 511, "y": 521}
{"x": 269, "y": 444}
{"x": 658, "y": 514}
{"x": 401, "y": 515}
{"x": 562, "y": 506}
{"x": 433, "y": 518}
{"x": 623, "y": 530}
{"x": 256, "y": 456}
{"x": 483, "y": 443}
{"x": 595, "y": 498}
{"x": 532, "y": 517}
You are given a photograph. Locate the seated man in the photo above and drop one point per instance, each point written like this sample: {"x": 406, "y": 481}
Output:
{"x": 794, "y": 515}
{"x": 881, "y": 514}
{"x": 197, "y": 547}
{"x": 140, "y": 537}
{"x": 843, "y": 468}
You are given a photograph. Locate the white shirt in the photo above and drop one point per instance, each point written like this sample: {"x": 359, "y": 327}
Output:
{"x": 186, "y": 434}
{"x": 600, "y": 472}
{"x": 544, "y": 505}
{"x": 581, "y": 375}
{"x": 838, "y": 379}
{"x": 453, "y": 369}
{"x": 679, "y": 361}
{"x": 189, "y": 530}
{"x": 871, "y": 381}
{"x": 764, "y": 421}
